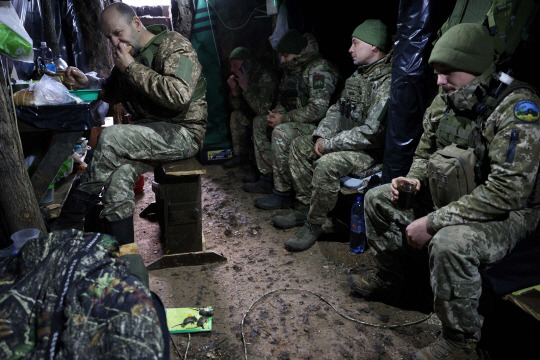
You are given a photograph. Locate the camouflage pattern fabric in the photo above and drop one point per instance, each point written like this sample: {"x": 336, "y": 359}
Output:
{"x": 316, "y": 180}
{"x": 168, "y": 106}
{"x": 316, "y": 80}
{"x": 477, "y": 230}
{"x": 347, "y": 150}
{"x": 256, "y": 100}
{"x": 67, "y": 295}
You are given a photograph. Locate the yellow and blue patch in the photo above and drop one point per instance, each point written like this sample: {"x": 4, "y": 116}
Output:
{"x": 527, "y": 111}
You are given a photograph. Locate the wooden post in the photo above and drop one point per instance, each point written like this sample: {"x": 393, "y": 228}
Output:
{"x": 18, "y": 205}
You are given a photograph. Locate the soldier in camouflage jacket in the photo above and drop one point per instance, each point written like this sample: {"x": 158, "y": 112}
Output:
{"x": 253, "y": 90}
{"x": 306, "y": 87}
{"x": 458, "y": 236}
{"x": 350, "y": 139}
{"x": 162, "y": 87}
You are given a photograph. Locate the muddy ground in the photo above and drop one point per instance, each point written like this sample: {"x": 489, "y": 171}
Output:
{"x": 293, "y": 305}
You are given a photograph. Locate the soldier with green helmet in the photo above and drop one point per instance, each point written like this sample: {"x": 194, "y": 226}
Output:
{"x": 350, "y": 139}
{"x": 253, "y": 90}
{"x": 475, "y": 133}
{"x": 158, "y": 79}
{"x": 305, "y": 91}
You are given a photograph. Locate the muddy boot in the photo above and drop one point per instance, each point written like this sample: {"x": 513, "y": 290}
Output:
{"x": 295, "y": 218}
{"x": 276, "y": 200}
{"x": 234, "y": 162}
{"x": 263, "y": 186}
{"x": 446, "y": 349}
{"x": 121, "y": 230}
{"x": 305, "y": 238}
{"x": 75, "y": 208}
{"x": 377, "y": 285}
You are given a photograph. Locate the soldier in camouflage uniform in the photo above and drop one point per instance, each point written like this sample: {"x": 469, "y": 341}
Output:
{"x": 307, "y": 85}
{"x": 253, "y": 89}
{"x": 458, "y": 235}
{"x": 350, "y": 139}
{"x": 158, "y": 79}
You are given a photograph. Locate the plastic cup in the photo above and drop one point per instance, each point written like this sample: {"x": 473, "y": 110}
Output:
{"x": 406, "y": 195}
{"x": 22, "y": 236}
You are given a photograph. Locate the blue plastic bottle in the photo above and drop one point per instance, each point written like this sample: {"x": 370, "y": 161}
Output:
{"x": 46, "y": 55}
{"x": 358, "y": 227}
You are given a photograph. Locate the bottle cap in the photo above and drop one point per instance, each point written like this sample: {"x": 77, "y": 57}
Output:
{"x": 43, "y": 43}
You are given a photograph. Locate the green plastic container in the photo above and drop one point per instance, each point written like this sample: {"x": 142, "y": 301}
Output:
{"x": 86, "y": 94}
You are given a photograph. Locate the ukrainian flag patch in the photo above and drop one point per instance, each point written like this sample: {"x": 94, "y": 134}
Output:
{"x": 526, "y": 111}
{"x": 318, "y": 81}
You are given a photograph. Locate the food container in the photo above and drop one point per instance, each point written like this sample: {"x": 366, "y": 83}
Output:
{"x": 86, "y": 94}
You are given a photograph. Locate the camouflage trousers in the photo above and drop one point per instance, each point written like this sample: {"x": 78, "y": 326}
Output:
{"x": 123, "y": 153}
{"x": 455, "y": 255}
{"x": 316, "y": 180}
{"x": 240, "y": 126}
{"x": 272, "y": 147}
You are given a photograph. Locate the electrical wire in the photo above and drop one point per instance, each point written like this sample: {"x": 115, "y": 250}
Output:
{"x": 241, "y": 26}
{"x": 391, "y": 326}
{"x": 212, "y": 30}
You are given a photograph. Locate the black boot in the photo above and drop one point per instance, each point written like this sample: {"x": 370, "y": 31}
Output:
{"x": 75, "y": 208}
{"x": 121, "y": 230}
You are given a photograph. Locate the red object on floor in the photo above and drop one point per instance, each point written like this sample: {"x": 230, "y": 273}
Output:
{"x": 139, "y": 185}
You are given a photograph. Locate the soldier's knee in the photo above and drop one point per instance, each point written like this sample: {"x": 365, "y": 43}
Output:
{"x": 448, "y": 243}
{"x": 377, "y": 194}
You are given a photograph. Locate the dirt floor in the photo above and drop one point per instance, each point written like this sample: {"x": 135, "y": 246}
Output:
{"x": 285, "y": 305}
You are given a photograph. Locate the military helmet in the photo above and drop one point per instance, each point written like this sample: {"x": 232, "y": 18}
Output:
{"x": 373, "y": 32}
{"x": 465, "y": 47}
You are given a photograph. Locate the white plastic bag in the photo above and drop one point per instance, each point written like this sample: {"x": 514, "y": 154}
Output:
{"x": 14, "y": 40}
{"x": 49, "y": 91}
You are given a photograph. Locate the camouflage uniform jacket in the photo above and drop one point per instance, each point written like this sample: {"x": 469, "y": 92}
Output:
{"x": 510, "y": 179}
{"x": 67, "y": 295}
{"x": 368, "y": 90}
{"x": 261, "y": 91}
{"x": 317, "y": 76}
{"x": 168, "y": 86}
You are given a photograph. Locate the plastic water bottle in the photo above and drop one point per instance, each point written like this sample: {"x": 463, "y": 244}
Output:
{"x": 358, "y": 227}
{"x": 46, "y": 55}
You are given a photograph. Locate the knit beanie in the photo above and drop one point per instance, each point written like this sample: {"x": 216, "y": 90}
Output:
{"x": 240, "y": 53}
{"x": 292, "y": 42}
{"x": 373, "y": 32}
{"x": 465, "y": 47}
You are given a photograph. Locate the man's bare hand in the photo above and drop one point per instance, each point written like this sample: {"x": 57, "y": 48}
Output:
{"x": 417, "y": 233}
{"x": 122, "y": 57}
{"x": 274, "y": 118}
{"x": 395, "y": 184}
{"x": 75, "y": 78}
{"x": 319, "y": 148}
{"x": 231, "y": 81}
{"x": 243, "y": 78}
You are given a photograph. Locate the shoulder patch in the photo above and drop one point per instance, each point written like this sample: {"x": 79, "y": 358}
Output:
{"x": 526, "y": 111}
{"x": 318, "y": 81}
{"x": 185, "y": 66}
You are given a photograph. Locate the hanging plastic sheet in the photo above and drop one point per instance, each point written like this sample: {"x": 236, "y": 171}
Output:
{"x": 14, "y": 40}
{"x": 413, "y": 82}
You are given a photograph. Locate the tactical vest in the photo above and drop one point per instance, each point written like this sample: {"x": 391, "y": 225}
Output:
{"x": 146, "y": 55}
{"x": 293, "y": 90}
{"x": 464, "y": 129}
{"x": 355, "y": 99}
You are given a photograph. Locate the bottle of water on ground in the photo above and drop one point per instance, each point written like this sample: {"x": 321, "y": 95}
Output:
{"x": 358, "y": 227}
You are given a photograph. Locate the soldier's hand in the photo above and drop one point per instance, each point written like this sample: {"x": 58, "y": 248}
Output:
{"x": 75, "y": 78}
{"x": 274, "y": 118}
{"x": 319, "y": 148}
{"x": 243, "y": 78}
{"x": 122, "y": 57}
{"x": 417, "y": 233}
{"x": 395, "y": 184}
{"x": 231, "y": 81}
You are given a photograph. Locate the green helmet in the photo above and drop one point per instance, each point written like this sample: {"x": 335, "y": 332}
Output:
{"x": 465, "y": 47}
{"x": 292, "y": 42}
{"x": 373, "y": 32}
{"x": 240, "y": 53}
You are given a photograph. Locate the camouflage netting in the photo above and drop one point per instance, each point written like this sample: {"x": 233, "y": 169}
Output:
{"x": 67, "y": 295}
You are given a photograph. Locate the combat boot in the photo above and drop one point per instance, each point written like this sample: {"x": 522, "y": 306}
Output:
{"x": 379, "y": 285}
{"x": 276, "y": 200}
{"x": 75, "y": 208}
{"x": 305, "y": 238}
{"x": 446, "y": 349}
{"x": 121, "y": 230}
{"x": 263, "y": 186}
{"x": 295, "y": 218}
